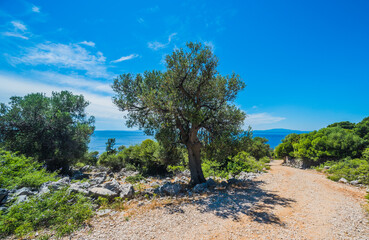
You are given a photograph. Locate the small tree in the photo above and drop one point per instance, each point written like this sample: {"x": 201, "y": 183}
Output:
{"x": 110, "y": 146}
{"x": 54, "y": 130}
{"x": 190, "y": 103}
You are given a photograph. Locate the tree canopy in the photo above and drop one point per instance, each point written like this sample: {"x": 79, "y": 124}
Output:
{"x": 54, "y": 130}
{"x": 189, "y": 103}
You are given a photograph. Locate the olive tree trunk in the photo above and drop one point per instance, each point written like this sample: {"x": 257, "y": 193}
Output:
{"x": 194, "y": 159}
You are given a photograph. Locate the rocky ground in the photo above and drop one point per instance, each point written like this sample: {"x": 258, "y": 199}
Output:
{"x": 287, "y": 203}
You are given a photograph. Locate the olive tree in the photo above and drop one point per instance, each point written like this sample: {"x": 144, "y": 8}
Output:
{"x": 189, "y": 103}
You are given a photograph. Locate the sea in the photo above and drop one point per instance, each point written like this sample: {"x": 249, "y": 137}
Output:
{"x": 127, "y": 138}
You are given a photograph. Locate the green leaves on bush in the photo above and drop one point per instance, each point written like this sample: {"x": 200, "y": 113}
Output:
{"x": 242, "y": 162}
{"x": 54, "y": 130}
{"x": 147, "y": 157}
{"x": 62, "y": 211}
{"x": 355, "y": 169}
{"x": 18, "y": 171}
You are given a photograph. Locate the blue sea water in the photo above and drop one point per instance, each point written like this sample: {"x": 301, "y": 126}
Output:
{"x": 127, "y": 138}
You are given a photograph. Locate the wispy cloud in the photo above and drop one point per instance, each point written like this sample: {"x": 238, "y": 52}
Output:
{"x": 19, "y": 25}
{"x": 70, "y": 56}
{"x": 125, "y": 58}
{"x": 14, "y": 34}
{"x": 211, "y": 45}
{"x": 158, "y": 45}
{"x": 261, "y": 118}
{"x": 35, "y": 9}
{"x": 17, "y": 29}
{"x": 140, "y": 20}
{"x": 88, "y": 43}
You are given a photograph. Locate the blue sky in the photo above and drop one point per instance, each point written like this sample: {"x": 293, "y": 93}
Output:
{"x": 305, "y": 63}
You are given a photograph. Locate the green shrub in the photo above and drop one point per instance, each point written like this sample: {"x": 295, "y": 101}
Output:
{"x": 243, "y": 162}
{"x": 61, "y": 211}
{"x": 366, "y": 154}
{"x": 18, "y": 171}
{"x": 134, "y": 179}
{"x": 356, "y": 169}
{"x": 147, "y": 157}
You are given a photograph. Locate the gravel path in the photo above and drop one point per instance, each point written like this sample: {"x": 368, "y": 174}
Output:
{"x": 286, "y": 203}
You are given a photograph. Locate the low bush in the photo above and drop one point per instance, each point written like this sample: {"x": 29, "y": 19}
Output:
{"x": 242, "y": 162}
{"x": 18, "y": 171}
{"x": 355, "y": 169}
{"x": 62, "y": 211}
{"x": 134, "y": 179}
{"x": 147, "y": 158}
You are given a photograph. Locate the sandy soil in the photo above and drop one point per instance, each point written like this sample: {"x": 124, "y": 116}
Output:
{"x": 286, "y": 203}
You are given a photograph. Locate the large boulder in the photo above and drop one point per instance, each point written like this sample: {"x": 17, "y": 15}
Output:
{"x": 102, "y": 192}
{"x": 211, "y": 183}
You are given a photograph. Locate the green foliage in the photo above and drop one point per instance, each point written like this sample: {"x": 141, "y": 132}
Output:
{"x": 344, "y": 125}
{"x": 134, "y": 179}
{"x": 149, "y": 157}
{"x": 188, "y": 101}
{"x": 61, "y": 211}
{"x": 242, "y": 162}
{"x": 18, "y": 171}
{"x": 355, "y": 169}
{"x": 362, "y": 129}
{"x": 89, "y": 158}
{"x": 110, "y": 146}
{"x": 54, "y": 130}
{"x": 226, "y": 147}
{"x": 366, "y": 154}
{"x": 335, "y": 142}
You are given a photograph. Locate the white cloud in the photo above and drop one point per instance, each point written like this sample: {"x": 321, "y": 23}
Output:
{"x": 101, "y": 106}
{"x": 125, "y": 58}
{"x": 261, "y": 118}
{"x": 14, "y": 34}
{"x": 70, "y": 56}
{"x": 157, "y": 45}
{"x": 19, "y": 25}
{"x": 35, "y": 9}
{"x": 88, "y": 43}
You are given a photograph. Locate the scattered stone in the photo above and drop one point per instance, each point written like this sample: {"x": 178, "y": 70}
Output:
{"x": 140, "y": 204}
{"x": 126, "y": 191}
{"x": 211, "y": 183}
{"x": 79, "y": 187}
{"x": 327, "y": 167}
{"x": 200, "y": 188}
{"x": 60, "y": 183}
{"x": 24, "y": 191}
{"x": 342, "y": 180}
{"x": 355, "y": 182}
{"x": 103, "y": 212}
{"x": 21, "y": 198}
{"x": 102, "y": 192}
{"x": 170, "y": 189}
{"x": 112, "y": 186}
{"x": 97, "y": 181}
{"x": 3, "y": 194}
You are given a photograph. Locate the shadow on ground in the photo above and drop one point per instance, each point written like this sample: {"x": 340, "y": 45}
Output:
{"x": 249, "y": 199}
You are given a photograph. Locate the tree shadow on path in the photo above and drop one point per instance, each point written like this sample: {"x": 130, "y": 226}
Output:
{"x": 249, "y": 199}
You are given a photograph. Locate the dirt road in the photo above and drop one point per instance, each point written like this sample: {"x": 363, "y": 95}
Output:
{"x": 286, "y": 203}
